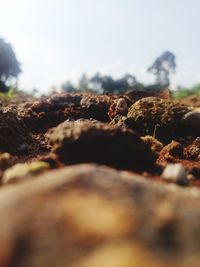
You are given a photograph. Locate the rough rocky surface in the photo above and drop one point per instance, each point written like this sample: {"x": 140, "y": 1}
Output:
{"x": 14, "y": 135}
{"x": 90, "y": 215}
{"x": 164, "y": 120}
{"x": 157, "y": 117}
{"x": 48, "y": 112}
{"x": 92, "y": 141}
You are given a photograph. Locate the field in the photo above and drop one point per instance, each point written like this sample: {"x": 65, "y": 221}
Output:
{"x": 100, "y": 180}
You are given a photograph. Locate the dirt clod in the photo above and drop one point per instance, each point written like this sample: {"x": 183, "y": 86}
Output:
{"x": 88, "y": 141}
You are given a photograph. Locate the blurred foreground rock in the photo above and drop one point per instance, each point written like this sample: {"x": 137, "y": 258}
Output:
{"x": 94, "y": 216}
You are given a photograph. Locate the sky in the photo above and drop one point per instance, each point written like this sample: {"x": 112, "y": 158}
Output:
{"x": 57, "y": 40}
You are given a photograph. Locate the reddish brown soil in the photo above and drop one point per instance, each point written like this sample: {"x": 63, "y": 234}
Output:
{"x": 39, "y": 115}
{"x": 89, "y": 215}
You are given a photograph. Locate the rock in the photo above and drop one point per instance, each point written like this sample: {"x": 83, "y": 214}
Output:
{"x": 20, "y": 172}
{"x": 90, "y": 215}
{"x": 119, "y": 107}
{"x": 88, "y": 141}
{"x": 157, "y": 117}
{"x": 191, "y": 122}
{"x": 175, "y": 173}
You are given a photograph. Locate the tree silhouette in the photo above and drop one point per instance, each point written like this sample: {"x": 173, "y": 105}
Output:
{"x": 9, "y": 65}
{"x": 96, "y": 82}
{"x": 103, "y": 84}
{"x": 122, "y": 84}
{"x": 68, "y": 87}
{"x": 108, "y": 84}
{"x": 83, "y": 83}
{"x": 162, "y": 67}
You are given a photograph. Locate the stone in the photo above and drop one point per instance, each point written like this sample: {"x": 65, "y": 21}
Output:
{"x": 191, "y": 122}
{"x": 21, "y": 171}
{"x": 91, "y": 215}
{"x": 157, "y": 117}
{"x": 119, "y": 107}
{"x": 175, "y": 173}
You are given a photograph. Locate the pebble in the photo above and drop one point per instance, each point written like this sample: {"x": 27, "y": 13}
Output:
{"x": 121, "y": 106}
{"x": 23, "y": 171}
{"x": 175, "y": 173}
{"x": 192, "y": 121}
{"x": 190, "y": 177}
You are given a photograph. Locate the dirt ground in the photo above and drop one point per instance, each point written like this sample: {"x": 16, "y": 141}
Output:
{"x": 99, "y": 180}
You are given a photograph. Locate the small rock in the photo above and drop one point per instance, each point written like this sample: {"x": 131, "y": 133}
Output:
{"x": 190, "y": 177}
{"x": 119, "y": 107}
{"x": 175, "y": 173}
{"x": 157, "y": 117}
{"x": 21, "y": 171}
{"x": 191, "y": 121}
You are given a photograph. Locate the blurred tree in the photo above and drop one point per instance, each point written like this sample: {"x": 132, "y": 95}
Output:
{"x": 95, "y": 82}
{"x": 9, "y": 65}
{"x": 103, "y": 84}
{"x": 3, "y": 87}
{"x": 108, "y": 84}
{"x": 131, "y": 80}
{"x": 83, "y": 83}
{"x": 123, "y": 84}
{"x": 68, "y": 87}
{"x": 162, "y": 67}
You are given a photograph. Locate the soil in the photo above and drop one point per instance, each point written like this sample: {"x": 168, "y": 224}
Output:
{"x": 193, "y": 101}
{"x": 92, "y": 141}
{"x": 120, "y": 214}
{"x": 103, "y": 127}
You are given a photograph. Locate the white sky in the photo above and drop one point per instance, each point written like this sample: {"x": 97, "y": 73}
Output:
{"x": 56, "y": 40}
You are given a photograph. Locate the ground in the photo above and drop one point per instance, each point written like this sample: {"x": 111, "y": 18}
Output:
{"x": 84, "y": 180}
